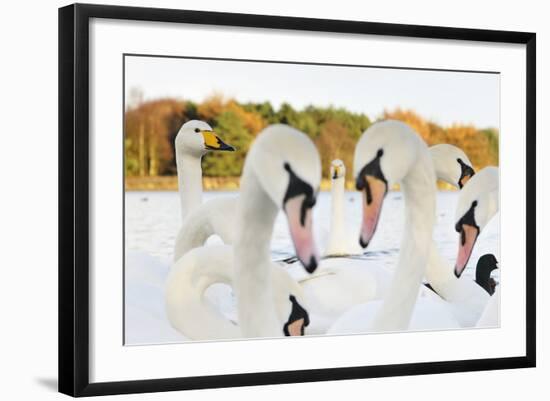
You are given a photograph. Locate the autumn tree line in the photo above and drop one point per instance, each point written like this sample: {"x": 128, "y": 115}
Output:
{"x": 151, "y": 127}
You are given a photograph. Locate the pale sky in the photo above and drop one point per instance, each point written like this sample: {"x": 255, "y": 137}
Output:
{"x": 441, "y": 96}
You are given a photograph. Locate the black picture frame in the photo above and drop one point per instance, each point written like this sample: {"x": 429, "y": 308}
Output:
{"x": 74, "y": 198}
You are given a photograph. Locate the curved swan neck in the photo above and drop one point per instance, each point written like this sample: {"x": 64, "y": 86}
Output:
{"x": 255, "y": 219}
{"x": 419, "y": 193}
{"x": 337, "y": 232}
{"x": 186, "y": 307}
{"x": 189, "y": 182}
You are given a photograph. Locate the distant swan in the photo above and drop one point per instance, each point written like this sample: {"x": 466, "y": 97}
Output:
{"x": 338, "y": 242}
{"x": 282, "y": 171}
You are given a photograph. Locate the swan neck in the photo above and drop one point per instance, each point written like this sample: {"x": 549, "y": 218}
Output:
{"x": 189, "y": 182}
{"x": 255, "y": 219}
{"x": 439, "y": 273}
{"x": 337, "y": 231}
{"x": 419, "y": 193}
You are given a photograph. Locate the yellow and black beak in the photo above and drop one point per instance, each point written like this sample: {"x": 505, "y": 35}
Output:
{"x": 213, "y": 142}
{"x": 338, "y": 172}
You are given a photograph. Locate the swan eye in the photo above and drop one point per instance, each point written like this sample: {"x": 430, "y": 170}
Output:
{"x": 197, "y": 130}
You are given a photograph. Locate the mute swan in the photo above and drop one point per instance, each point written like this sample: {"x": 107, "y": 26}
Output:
{"x": 451, "y": 164}
{"x": 485, "y": 265}
{"x": 190, "y": 312}
{"x": 465, "y": 298}
{"x": 386, "y": 153}
{"x": 341, "y": 283}
{"x": 341, "y": 280}
{"x": 281, "y": 171}
{"x": 478, "y": 202}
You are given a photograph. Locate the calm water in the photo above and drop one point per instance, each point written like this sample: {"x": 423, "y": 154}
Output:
{"x": 153, "y": 220}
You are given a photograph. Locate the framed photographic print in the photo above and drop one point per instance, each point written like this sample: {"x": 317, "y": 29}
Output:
{"x": 249, "y": 199}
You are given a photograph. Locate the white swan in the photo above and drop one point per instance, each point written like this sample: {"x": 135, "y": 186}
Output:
{"x": 190, "y": 312}
{"x": 194, "y": 139}
{"x": 491, "y": 314}
{"x": 390, "y": 152}
{"x": 466, "y": 299}
{"x": 214, "y": 217}
{"x": 281, "y": 171}
{"x": 341, "y": 280}
{"x": 337, "y": 243}
{"x": 451, "y": 164}
{"x": 478, "y": 202}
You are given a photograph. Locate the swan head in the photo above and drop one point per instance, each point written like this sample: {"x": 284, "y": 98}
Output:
{"x": 451, "y": 164}
{"x": 337, "y": 170}
{"x": 383, "y": 156}
{"x": 477, "y": 204}
{"x": 197, "y": 138}
{"x": 287, "y": 166}
{"x": 289, "y": 299}
{"x": 485, "y": 265}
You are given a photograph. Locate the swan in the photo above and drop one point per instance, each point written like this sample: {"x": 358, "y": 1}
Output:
{"x": 281, "y": 171}
{"x": 190, "y": 312}
{"x": 337, "y": 243}
{"x": 214, "y": 217}
{"x": 341, "y": 283}
{"x": 478, "y": 202}
{"x": 465, "y": 298}
{"x": 451, "y": 164}
{"x": 491, "y": 314}
{"x": 485, "y": 265}
{"x": 194, "y": 139}
{"x": 390, "y": 152}
{"x": 342, "y": 279}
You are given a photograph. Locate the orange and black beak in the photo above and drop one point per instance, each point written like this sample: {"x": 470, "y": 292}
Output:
{"x": 297, "y": 321}
{"x": 373, "y": 185}
{"x": 467, "y": 172}
{"x": 213, "y": 142}
{"x": 469, "y": 231}
{"x": 298, "y": 206}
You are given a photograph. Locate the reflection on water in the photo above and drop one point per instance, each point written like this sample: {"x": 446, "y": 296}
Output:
{"x": 153, "y": 219}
